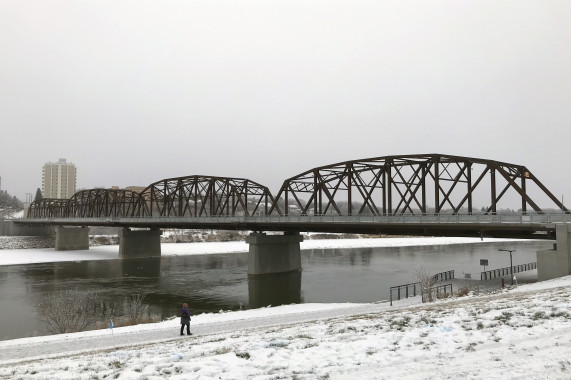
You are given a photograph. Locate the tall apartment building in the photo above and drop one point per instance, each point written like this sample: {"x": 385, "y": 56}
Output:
{"x": 58, "y": 179}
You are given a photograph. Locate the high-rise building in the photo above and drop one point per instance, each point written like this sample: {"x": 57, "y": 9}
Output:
{"x": 58, "y": 179}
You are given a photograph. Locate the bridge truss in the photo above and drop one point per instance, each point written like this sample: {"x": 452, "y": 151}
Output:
{"x": 48, "y": 208}
{"x": 195, "y": 196}
{"x": 382, "y": 186}
{"x": 102, "y": 202}
{"x": 191, "y": 196}
{"x": 415, "y": 184}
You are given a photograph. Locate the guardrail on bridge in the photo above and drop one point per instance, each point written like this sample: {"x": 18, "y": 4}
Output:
{"x": 511, "y": 218}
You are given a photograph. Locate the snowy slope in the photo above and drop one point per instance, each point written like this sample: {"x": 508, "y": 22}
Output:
{"x": 520, "y": 333}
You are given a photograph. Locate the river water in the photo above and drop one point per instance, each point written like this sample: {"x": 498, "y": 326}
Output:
{"x": 210, "y": 283}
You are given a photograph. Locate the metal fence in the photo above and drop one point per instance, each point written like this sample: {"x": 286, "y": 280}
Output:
{"x": 444, "y": 276}
{"x": 406, "y": 290}
{"x": 494, "y": 273}
{"x": 442, "y": 290}
{"x": 410, "y": 290}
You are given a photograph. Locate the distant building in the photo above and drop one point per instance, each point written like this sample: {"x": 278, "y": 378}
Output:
{"x": 138, "y": 189}
{"x": 58, "y": 179}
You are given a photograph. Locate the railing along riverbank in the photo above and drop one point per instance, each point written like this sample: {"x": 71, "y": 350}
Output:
{"x": 501, "y": 272}
{"x": 410, "y": 290}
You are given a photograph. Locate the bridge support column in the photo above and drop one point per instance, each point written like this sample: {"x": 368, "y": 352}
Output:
{"x": 139, "y": 243}
{"x": 72, "y": 238}
{"x": 556, "y": 262}
{"x": 273, "y": 253}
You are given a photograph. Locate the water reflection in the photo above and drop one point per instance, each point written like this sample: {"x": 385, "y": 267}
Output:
{"x": 149, "y": 268}
{"x": 353, "y": 257}
{"x": 274, "y": 289}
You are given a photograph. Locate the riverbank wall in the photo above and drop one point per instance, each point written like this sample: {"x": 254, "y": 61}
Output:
{"x": 9, "y": 228}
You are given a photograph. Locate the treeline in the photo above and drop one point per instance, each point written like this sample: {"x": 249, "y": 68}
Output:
{"x": 7, "y": 200}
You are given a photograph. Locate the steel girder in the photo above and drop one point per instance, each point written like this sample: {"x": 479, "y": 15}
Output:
{"x": 113, "y": 203}
{"x": 394, "y": 185}
{"x": 204, "y": 196}
{"x": 390, "y": 185}
{"x": 92, "y": 203}
{"x": 47, "y": 208}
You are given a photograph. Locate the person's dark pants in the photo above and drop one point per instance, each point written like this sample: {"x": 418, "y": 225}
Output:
{"x": 187, "y": 329}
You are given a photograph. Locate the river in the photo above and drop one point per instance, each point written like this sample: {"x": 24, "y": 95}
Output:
{"x": 210, "y": 283}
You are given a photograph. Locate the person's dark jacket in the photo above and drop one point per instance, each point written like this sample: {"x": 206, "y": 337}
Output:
{"x": 185, "y": 316}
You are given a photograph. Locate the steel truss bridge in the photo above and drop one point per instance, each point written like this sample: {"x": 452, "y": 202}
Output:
{"x": 430, "y": 194}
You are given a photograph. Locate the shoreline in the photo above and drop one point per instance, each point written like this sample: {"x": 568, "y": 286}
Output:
{"x": 21, "y": 256}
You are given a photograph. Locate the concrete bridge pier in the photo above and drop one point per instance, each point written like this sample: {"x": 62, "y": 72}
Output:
{"x": 556, "y": 262}
{"x": 72, "y": 238}
{"x": 139, "y": 243}
{"x": 274, "y": 253}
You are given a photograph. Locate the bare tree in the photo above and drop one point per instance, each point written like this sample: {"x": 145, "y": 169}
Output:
{"x": 427, "y": 281}
{"x": 68, "y": 311}
{"x": 136, "y": 309}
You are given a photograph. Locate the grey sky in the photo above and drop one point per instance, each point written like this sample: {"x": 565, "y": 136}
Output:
{"x": 136, "y": 91}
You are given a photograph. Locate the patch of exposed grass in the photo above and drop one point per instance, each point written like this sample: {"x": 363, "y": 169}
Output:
{"x": 399, "y": 323}
{"x": 115, "y": 364}
{"x": 505, "y": 317}
{"x": 243, "y": 355}
{"x": 539, "y": 315}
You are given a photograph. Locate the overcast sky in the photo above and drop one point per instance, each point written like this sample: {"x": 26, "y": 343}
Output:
{"x": 136, "y": 91}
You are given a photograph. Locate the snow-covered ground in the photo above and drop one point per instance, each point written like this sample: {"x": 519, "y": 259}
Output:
{"x": 108, "y": 252}
{"x": 15, "y": 215}
{"x": 523, "y": 332}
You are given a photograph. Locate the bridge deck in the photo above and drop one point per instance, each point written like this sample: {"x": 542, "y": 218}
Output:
{"x": 538, "y": 226}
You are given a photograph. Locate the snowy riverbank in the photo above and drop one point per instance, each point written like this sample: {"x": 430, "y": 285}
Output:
{"x": 524, "y": 332}
{"x": 109, "y": 252}
{"x": 520, "y": 333}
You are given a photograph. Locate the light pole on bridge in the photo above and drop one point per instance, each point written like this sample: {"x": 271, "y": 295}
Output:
{"x": 511, "y": 263}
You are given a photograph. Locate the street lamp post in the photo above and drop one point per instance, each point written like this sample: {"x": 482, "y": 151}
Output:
{"x": 511, "y": 263}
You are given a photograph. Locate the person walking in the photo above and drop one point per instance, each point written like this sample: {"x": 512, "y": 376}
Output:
{"x": 185, "y": 319}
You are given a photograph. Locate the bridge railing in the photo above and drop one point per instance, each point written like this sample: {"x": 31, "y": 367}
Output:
{"x": 513, "y": 218}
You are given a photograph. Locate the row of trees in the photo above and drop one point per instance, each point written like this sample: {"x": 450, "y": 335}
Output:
{"x": 7, "y": 200}
{"x": 74, "y": 310}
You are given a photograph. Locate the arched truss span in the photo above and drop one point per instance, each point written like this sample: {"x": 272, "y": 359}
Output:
{"x": 114, "y": 203}
{"x": 92, "y": 203}
{"x": 47, "y": 208}
{"x": 430, "y": 183}
{"x": 204, "y": 196}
